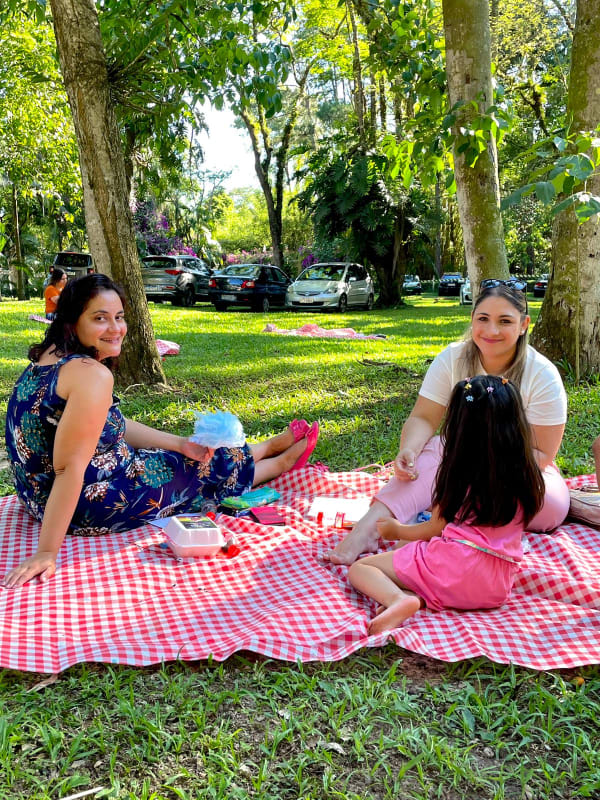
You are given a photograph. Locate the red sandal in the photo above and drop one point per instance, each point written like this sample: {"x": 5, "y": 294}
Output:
{"x": 299, "y": 428}
{"x": 311, "y": 443}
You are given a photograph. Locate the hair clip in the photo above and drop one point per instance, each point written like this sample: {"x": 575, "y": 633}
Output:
{"x": 469, "y": 398}
{"x": 468, "y": 386}
{"x": 504, "y": 380}
{"x": 489, "y": 389}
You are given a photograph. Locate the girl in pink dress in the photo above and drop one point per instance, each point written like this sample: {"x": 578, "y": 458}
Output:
{"x": 488, "y": 488}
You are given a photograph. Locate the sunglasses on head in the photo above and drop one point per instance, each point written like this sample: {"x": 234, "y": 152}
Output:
{"x": 512, "y": 283}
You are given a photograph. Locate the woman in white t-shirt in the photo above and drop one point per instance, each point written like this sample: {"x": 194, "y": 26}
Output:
{"x": 497, "y": 346}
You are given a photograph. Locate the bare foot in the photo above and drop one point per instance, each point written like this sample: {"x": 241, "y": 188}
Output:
{"x": 363, "y": 538}
{"x": 392, "y": 617}
{"x": 389, "y": 528}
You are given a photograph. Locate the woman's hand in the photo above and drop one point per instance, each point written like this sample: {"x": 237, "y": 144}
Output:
{"x": 42, "y": 564}
{"x": 197, "y": 452}
{"x": 404, "y": 465}
{"x": 422, "y": 423}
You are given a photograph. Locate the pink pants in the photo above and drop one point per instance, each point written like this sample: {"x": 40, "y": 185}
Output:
{"x": 406, "y": 498}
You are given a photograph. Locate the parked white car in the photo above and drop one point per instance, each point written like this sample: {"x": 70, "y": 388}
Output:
{"x": 331, "y": 285}
{"x": 466, "y": 295}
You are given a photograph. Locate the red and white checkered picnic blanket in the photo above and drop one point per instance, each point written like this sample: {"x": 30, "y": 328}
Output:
{"x": 123, "y": 599}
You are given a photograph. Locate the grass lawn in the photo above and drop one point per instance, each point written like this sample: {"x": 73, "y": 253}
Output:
{"x": 382, "y": 723}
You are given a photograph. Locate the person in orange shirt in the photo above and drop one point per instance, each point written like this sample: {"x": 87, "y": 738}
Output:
{"x": 52, "y": 292}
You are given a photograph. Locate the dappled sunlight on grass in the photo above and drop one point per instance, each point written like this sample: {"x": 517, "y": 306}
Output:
{"x": 361, "y": 390}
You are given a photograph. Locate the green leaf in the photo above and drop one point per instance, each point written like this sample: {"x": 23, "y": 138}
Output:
{"x": 545, "y": 192}
{"x": 514, "y": 198}
{"x": 560, "y": 144}
{"x": 563, "y": 205}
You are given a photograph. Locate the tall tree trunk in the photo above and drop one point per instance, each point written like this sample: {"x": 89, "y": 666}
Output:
{"x": 568, "y": 327}
{"x": 83, "y": 65}
{"x": 468, "y": 67}
{"x": 19, "y": 274}
{"x": 93, "y": 225}
{"x": 257, "y": 130}
{"x": 440, "y": 224}
{"x": 358, "y": 94}
{"x": 382, "y": 105}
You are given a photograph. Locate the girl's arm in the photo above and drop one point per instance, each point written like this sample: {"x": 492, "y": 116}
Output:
{"x": 391, "y": 529}
{"x": 140, "y": 436}
{"x": 87, "y": 387}
{"x": 546, "y": 442}
{"x": 422, "y": 423}
{"x": 596, "y": 452}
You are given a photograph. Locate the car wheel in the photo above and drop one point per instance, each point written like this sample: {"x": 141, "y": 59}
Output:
{"x": 263, "y": 305}
{"x": 186, "y": 298}
{"x": 370, "y": 302}
{"x": 220, "y": 306}
{"x": 342, "y": 304}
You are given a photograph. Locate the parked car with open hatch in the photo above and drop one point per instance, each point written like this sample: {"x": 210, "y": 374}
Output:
{"x": 179, "y": 278}
{"x": 74, "y": 264}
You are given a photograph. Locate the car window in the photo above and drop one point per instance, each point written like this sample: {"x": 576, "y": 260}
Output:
{"x": 73, "y": 260}
{"x": 159, "y": 262}
{"x": 323, "y": 272}
{"x": 242, "y": 270}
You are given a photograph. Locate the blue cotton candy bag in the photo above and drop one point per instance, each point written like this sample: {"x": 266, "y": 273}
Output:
{"x": 218, "y": 429}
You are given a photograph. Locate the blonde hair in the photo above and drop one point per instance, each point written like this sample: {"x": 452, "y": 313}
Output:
{"x": 471, "y": 356}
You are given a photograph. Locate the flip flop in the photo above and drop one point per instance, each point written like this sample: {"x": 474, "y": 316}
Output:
{"x": 311, "y": 443}
{"x": 299, "y": 428}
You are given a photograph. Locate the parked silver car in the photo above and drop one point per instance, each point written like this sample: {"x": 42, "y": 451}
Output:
{"x": 180, "y": 279}
{"x": 331, "y": 285}
{"x": 466, "y": 295}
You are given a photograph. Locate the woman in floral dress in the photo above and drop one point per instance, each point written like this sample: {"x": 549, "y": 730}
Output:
{"x": 81, "y": 467}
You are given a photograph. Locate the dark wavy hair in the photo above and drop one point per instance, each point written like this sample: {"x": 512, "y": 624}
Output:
{"x": 488, "y": 469}
{"x": 56, "y": 276}
{"x": 70, "y": 306}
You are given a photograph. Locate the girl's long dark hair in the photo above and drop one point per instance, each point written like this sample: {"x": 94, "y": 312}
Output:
{"x": 70, "y": 306}
{"x": 488, "y": 469}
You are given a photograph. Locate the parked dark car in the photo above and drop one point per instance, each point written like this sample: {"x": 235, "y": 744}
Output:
{"x": 257, "y": 286}
{"x": 181, "y": 279}
{"x": 450, "y": 284}
{"x": 411, "y": 285}
{"x": 74, "y": 264}
{"x": 540, "y": 286}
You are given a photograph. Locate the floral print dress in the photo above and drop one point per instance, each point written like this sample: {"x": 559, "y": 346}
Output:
{"x": 122, "y": 487}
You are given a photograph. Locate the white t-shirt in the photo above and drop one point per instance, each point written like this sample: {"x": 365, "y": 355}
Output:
{"x": 542, "y": 390}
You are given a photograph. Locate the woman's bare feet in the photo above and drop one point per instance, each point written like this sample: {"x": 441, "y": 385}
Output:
{"x": 394, "y": 615}
{"x": 363, "y": 538}
{"x": 272, "y": 467}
